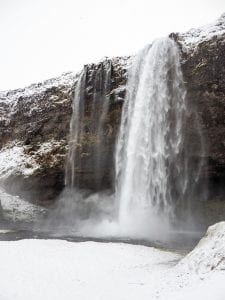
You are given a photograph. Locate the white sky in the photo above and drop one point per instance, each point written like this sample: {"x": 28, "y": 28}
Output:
{"x": 42, "y": 38}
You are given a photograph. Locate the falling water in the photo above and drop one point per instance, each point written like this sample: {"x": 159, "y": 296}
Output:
{"x": 90, "y": 108}
{"x": 150, "y": 161}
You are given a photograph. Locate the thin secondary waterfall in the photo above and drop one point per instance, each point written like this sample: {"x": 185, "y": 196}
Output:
{"x": 150, "y": 162}
{"x": 75, "y": 128}
{"x": 90, "y": 108}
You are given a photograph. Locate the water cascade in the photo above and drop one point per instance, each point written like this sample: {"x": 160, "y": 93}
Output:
{"x": 151, "y": 157}
{"x": 150, "y": 161}
{"x": 87, "y": 128}
{"x": 88, "y": 154}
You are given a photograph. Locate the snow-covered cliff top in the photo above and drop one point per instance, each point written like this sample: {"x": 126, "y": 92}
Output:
{"x": 9, "y": 100}
{"x": 66, "y": 79}
{"x": 194, "y": 36}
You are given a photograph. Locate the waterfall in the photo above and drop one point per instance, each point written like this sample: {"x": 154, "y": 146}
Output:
{"x": 87, "y": 128}
{"x": 150, "y": 161}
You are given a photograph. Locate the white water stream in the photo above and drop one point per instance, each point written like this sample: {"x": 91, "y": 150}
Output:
{"x": 150, "y": 173}
{"x": 151, "y": 164}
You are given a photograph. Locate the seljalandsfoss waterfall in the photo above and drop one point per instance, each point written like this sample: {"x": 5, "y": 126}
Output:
{"x": 151, "y": 175}
{"x": 151, "y": 163}
{"x": 112, "y": 174}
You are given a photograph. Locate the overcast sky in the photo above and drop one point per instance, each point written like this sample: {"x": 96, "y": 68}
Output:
{"x": 42, "y": 38}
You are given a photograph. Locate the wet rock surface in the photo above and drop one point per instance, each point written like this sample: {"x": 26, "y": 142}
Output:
{"x": 204, "y": 72}
{"x": 99, "y": 95}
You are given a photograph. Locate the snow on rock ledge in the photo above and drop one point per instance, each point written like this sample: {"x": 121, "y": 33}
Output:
{"x": 209, "y": 254}
{"x": 13, "y": 160}
{"x": 17, "y": 159}
{"x": 34, "y": 129}
{"x": 190, "y": 39}
{"x": 10, "y": 100}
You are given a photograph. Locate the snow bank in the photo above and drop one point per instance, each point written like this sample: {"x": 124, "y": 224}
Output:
{"x": 200, "y": 274}
{"x": 209, "y": 254}
{"x": 56, "y": 270}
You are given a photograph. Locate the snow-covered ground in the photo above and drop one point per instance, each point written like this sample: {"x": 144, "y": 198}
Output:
{"x": 54, "y": 269}
{"x": 43, "y": 269}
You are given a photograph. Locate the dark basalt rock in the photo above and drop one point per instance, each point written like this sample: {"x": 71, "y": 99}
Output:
{"x": 102, "y": 93}
{"x": 204, "y": 74}
{"x": 32, "y": 117}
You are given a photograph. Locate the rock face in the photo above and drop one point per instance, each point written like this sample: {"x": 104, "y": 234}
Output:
{"x": 34, "y": 122}
{"x": 33, "y": 137}
{"x": 99, "y": 95}
{"x": 34, "y": 133}
{"x": 204, "y": 72}
{"x": 203, "y": 52}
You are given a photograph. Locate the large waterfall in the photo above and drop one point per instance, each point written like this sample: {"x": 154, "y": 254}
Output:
{"x": 150, "y": 163}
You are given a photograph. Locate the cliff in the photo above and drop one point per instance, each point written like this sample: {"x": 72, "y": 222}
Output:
{"x": 34, "y": 131}
{"x": 34, "y": 126}
{"x": 34, "y": 122}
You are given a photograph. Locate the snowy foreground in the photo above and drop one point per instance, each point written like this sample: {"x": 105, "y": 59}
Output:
{"x": 54, "y": 269}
